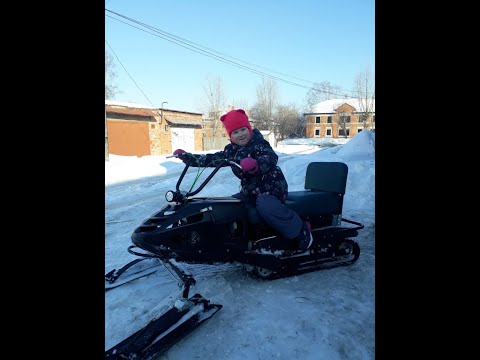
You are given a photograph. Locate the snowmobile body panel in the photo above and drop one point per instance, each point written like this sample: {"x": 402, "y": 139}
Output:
{"x": 224, "y": 229}
{"x": 202, "y": 230}
{"x": 209, "y": 230}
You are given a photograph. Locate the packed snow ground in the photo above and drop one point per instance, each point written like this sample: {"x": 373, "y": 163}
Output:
{"x": 327, "y": 314}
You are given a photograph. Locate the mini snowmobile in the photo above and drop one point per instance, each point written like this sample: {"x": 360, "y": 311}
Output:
{"x": 209, "y": 230}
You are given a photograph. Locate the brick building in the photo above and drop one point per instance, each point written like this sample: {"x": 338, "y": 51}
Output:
{"x": 138, "y": 130}
{"x": 327, "y": 116}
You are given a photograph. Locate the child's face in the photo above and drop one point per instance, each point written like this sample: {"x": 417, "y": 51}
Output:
{"x": 240, "y": 136}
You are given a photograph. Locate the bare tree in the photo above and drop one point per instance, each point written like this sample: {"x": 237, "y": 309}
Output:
{"x": 214, "y": 103}
{"x": 111, "y": 88}
{"x": 239, "y": 104}
{"x": 266, "y": 104}
{"x": 320, "y": 92}
{"x": 288, "y": 122}
{"x": 365, "y": 87}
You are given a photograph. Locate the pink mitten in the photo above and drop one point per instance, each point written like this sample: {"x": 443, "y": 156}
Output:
{"x": 186, "y": 157}
{"x": 180, "y": 154}
{"x": 249, "y": 164}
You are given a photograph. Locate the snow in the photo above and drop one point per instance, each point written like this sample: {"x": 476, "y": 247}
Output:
{"x": 329, "y": 106}
{"x": 128, "y": 104}
{"x": 327, "y": 314}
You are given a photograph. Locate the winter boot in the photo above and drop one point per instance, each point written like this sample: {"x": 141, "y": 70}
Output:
{"x": 305, "y": 238}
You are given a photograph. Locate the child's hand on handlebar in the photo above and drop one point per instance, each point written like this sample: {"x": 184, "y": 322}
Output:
{"x": 249, "y": 165}
{"x": 182, "y": 155}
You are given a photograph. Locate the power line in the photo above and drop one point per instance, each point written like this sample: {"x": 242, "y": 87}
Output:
{"x": 209, "y": 49}
{"x": 216, "y": 57}
{"x": 187, "y": 44}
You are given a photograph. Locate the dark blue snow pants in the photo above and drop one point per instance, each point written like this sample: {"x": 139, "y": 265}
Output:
{"x": 277, "y": 215}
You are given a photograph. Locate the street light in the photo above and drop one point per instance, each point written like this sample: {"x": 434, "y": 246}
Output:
{"x": 164, "y": 102}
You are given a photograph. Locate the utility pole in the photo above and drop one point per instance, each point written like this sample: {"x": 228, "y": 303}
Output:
{"x": 164, "y": 102}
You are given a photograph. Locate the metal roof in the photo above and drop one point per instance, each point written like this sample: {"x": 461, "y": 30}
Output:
{"x": 128, "y": 104}
{"x": 184, "y": 122}
{"x": 130, "y": 111}
{"x": 141, "y": 106}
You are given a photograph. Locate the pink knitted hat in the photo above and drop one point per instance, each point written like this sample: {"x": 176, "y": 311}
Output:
{"x": 235, "y": 119}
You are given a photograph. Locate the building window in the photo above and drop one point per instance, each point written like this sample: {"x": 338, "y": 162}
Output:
{"x": 329, "y": 132}
{"x": 317, "y": 132}
{"x": 152, "y": 126}
{"x": 342, "y": 133}
{"x": 329, "y": 120}
{"x": 359, "y": 130}
{"x": 317, "y": 119}
{"x": 344, "y": 119}
{"x": 167, "y": 128}
{"x": 363, "y": 118}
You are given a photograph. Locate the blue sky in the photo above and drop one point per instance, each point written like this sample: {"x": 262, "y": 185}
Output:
{"x": 302, "y": 42}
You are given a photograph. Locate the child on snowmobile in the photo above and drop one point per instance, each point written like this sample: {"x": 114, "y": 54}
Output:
{"x": 261, "y": 179}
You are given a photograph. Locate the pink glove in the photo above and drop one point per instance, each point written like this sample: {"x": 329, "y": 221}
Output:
{"x": 249, "y": 164}
{"x": 181, "y": 154}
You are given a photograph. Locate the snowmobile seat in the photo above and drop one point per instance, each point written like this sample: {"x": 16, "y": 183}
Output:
{"x": 325, "y": 184}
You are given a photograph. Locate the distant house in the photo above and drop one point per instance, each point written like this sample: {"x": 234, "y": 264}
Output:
{"x": 327, "y": 118}
{"x": 137, "y": 130}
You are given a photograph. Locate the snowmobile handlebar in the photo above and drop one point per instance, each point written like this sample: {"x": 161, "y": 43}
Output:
{"x": 178, "y": 196}
{"x": 222, "y": 160}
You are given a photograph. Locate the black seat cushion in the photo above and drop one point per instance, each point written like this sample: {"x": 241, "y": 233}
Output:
{"x": 311, "y": 203}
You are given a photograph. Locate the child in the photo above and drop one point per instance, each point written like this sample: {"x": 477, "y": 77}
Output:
{"x": 261, "y": 179}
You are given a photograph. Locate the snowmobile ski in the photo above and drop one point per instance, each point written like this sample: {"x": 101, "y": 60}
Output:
{"x": 160, "y": 334}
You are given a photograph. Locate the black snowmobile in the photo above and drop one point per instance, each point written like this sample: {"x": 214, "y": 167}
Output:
{"x": 211, "y": 230}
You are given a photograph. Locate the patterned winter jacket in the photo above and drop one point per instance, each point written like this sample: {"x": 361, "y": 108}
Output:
{"x": 269, "y": 178}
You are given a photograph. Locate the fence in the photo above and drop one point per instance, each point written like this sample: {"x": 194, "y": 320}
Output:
{"x": 215, "y": 143}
